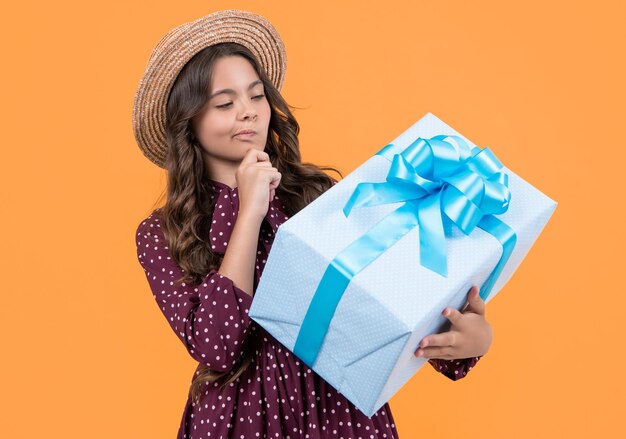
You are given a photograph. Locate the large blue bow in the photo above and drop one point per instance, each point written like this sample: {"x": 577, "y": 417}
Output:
{"x": 439, "y": 179}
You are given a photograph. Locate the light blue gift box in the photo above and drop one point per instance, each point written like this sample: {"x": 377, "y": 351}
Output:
{"x": 358, "y": 277}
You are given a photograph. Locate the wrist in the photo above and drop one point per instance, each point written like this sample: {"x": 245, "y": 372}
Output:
{"x": 249, "y": 219}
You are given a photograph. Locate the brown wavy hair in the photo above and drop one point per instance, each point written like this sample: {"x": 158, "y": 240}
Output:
{"x": 187, "y": 213}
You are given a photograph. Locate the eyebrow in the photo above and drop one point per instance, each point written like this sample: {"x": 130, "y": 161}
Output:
{"x": 231, "y": 91}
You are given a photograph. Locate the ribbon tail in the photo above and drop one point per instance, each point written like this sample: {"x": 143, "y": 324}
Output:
{"x": 375, "y": 194}
{"x": 432, "y": 235}
{"x": 507, "y": 238}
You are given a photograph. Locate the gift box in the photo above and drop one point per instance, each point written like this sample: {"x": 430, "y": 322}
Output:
{"x": 358, "y": 277}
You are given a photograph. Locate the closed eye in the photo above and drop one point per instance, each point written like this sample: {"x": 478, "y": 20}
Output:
{"x": 230, "y": 103}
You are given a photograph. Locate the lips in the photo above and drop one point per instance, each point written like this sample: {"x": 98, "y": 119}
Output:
{"x": 246, "y": 133}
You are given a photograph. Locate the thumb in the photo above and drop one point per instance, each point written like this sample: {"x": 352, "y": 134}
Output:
{"x": 475, "y": 303}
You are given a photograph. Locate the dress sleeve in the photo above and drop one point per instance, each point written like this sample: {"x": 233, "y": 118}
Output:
{"x": 454, "y": 369}
{"x": 210, "y": 318}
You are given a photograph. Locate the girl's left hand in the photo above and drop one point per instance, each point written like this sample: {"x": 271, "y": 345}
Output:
{"x": 469, "y": 336}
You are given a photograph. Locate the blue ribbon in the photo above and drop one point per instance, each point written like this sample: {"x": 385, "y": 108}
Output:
{"x": 439, "y": 179}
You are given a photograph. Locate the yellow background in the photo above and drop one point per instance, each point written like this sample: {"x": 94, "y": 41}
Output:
{"x": 86, "y": 352}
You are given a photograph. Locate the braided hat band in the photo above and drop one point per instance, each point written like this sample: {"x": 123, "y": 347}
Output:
{"x": 177, "y": 47}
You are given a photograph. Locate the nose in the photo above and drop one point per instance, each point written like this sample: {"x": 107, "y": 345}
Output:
{"x": 249, "y": 112}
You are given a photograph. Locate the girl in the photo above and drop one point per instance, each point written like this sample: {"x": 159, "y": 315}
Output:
{"x": 209, "y": 111}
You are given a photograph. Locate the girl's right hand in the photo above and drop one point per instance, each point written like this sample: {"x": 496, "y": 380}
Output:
{"x": 257, "y": 181}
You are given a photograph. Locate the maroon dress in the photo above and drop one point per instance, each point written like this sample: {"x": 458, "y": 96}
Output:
{"x": 278, "y": 396}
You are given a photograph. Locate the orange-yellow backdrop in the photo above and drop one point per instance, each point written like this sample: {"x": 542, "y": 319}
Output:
{"x": 86, "y": 352}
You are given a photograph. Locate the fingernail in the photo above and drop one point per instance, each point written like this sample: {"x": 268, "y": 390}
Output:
{"x": 446, "y": 312}
{"x": 419, "y": 353}
{"x": 424, "y": 343}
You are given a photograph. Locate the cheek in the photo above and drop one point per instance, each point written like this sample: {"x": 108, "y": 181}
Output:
{"x": 216, "y": 125}
{"x": 267, "y": 112}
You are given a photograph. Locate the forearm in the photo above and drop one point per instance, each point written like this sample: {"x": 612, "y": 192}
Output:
{"x": 240, "y": 255}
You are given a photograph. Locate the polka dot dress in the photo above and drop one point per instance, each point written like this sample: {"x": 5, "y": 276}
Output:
{"x": 278, "y": 396}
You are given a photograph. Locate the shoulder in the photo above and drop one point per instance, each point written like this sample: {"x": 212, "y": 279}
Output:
{"x": 149, "y": 228}
{"x": 152, "y": 249}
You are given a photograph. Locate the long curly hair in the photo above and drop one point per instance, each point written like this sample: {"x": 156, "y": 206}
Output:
{"x": 190, "y": 198}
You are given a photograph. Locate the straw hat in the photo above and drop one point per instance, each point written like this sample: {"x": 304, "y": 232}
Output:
{"x": 177, "y": 47}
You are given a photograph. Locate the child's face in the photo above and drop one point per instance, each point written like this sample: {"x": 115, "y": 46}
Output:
{"x": 228, "y": 113}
